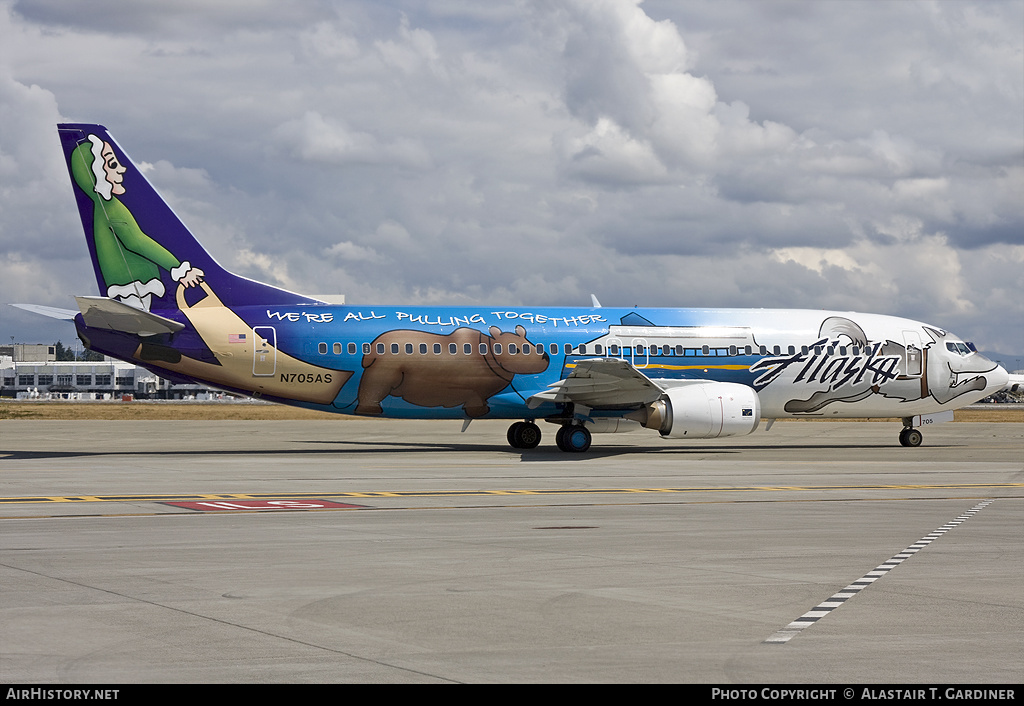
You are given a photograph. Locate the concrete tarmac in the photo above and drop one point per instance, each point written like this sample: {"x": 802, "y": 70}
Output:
{"x": 394, "y": 551}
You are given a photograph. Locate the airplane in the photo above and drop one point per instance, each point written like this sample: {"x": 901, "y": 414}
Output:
{"x": 166, "y": 305}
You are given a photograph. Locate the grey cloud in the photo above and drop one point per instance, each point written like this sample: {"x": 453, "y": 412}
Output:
{"x": 665, "y": 153}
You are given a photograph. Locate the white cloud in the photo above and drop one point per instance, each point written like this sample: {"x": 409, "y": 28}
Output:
{"x": 863, "y": 155}
{"x": 317, "y": 139}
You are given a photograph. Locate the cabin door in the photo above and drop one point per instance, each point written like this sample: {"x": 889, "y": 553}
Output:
{"x": 641, "y": 352}
{"x": 264, "y": 351}
{"x": 913, "y": 357}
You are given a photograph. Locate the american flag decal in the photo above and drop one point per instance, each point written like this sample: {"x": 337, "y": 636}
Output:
{"x": 236, "y": 338}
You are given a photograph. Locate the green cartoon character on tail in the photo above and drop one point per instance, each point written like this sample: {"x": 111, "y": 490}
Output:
{"x": 129, "y": 260}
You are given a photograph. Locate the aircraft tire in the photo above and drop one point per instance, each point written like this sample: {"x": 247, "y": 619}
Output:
{"x": 523, "y": 435}
{"x": 513, "y": 434}
{"x": 529, "y": 435}
{"x": 560, "y": 438}
{"x": 574, "y": 438}
{"x": 911, "y": 437}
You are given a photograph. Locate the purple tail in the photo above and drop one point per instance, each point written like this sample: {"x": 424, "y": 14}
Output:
{"x": 141, "y": 251}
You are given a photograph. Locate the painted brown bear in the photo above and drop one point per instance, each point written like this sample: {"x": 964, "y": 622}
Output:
{"x": 445, "y": 379}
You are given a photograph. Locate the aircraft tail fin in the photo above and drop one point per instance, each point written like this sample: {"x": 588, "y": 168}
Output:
{"x": 141, "y": 251}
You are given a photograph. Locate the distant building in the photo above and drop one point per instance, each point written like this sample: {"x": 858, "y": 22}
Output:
{"x": 29, "y": 351}
{"x": 86, "y": 380}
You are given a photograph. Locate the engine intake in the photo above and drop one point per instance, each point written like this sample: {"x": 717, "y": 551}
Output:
{"x": 704, "y": 410}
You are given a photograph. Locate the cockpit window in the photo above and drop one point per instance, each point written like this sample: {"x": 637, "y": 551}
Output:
{"x": 958, "y": 348}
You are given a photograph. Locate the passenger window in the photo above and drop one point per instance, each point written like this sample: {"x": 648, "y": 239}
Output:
{"x": 394, "y": 349}
{"x": 437, "y": 349}
{"x": 423, "y": 349}
{"x": 408, "y": 349}
{"x": 583, "y": 349}
{"x": 553, "y": 348}
{"x": 513, "y": 349}
{"x": 792, "y": 350}
{"x": 599, "y": 349}
{"x": 366, "y": 349}
{"x": 483, "y": 349}
{"x": 732, "y": 350}
{"x": 497, "y": 349}
{"x": 467, "y": 348}
{"x": 762, "y": 350}
{"x": 705, "y": 349}
{"x": 322, "y": 348}
{"x": 452, "y": 348}
{"x": 613, "y": 350}
{"x": 337, "y": 348}
{"x": 380, "y": 349}
{"x": 567, "y": 348}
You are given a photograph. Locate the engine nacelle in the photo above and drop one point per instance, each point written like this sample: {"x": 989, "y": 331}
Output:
{"x": 704, "y": 410}
{"x": 611, "y": 425}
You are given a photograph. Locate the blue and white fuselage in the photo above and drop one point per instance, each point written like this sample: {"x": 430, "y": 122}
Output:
{"x": 685, "y": 373}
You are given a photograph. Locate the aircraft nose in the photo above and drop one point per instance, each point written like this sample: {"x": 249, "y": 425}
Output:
{"x": 996, "y": 380}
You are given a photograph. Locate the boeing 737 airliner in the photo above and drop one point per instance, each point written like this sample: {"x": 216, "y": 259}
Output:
{"x": 166, "y": 305}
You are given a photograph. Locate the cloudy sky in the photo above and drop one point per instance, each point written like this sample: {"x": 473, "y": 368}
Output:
{"x": 864, "y": 156}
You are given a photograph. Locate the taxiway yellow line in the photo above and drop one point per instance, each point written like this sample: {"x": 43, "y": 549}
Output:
{"x": 483, "y": 493}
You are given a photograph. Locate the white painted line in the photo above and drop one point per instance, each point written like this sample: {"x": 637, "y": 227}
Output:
{"x": 837, "y": 599}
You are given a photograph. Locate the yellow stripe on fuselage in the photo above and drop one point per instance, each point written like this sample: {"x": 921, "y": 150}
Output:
{"x": 663, "y": 366}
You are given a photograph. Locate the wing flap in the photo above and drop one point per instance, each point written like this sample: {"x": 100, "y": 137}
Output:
{"x": 601, "y": 382}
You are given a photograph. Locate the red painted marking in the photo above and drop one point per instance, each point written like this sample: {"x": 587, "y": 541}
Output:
{"x": 222, "y": 505}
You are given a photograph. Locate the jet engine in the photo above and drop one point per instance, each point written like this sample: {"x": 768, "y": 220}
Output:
{"x": 704, "y": 410}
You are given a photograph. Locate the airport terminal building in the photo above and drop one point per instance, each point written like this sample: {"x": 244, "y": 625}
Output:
{"x": 34, "y": 373}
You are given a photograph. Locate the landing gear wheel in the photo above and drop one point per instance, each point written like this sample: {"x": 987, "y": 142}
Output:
{"x": 523, "y": 435}
{"x": 911, "y": 437}
{"x": 560, "y": 438}
{"x": 574, "y": 438}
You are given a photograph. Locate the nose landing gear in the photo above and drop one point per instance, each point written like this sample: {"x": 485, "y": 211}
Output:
{"x": 910, "y": 437}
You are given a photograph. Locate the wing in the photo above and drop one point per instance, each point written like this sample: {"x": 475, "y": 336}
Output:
{"x": 601, "y": 382}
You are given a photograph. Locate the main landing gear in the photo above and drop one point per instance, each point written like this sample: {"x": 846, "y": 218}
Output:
{"x": 910, "y": 437}
{"x": 523, "y": 435}
{"x": 572, "y": 438}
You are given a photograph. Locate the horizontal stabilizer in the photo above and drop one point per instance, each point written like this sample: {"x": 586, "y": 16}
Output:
{"x": 110, "y": 314}
{"x": 51, "y": 311}
{"x": 333, "y": 299}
